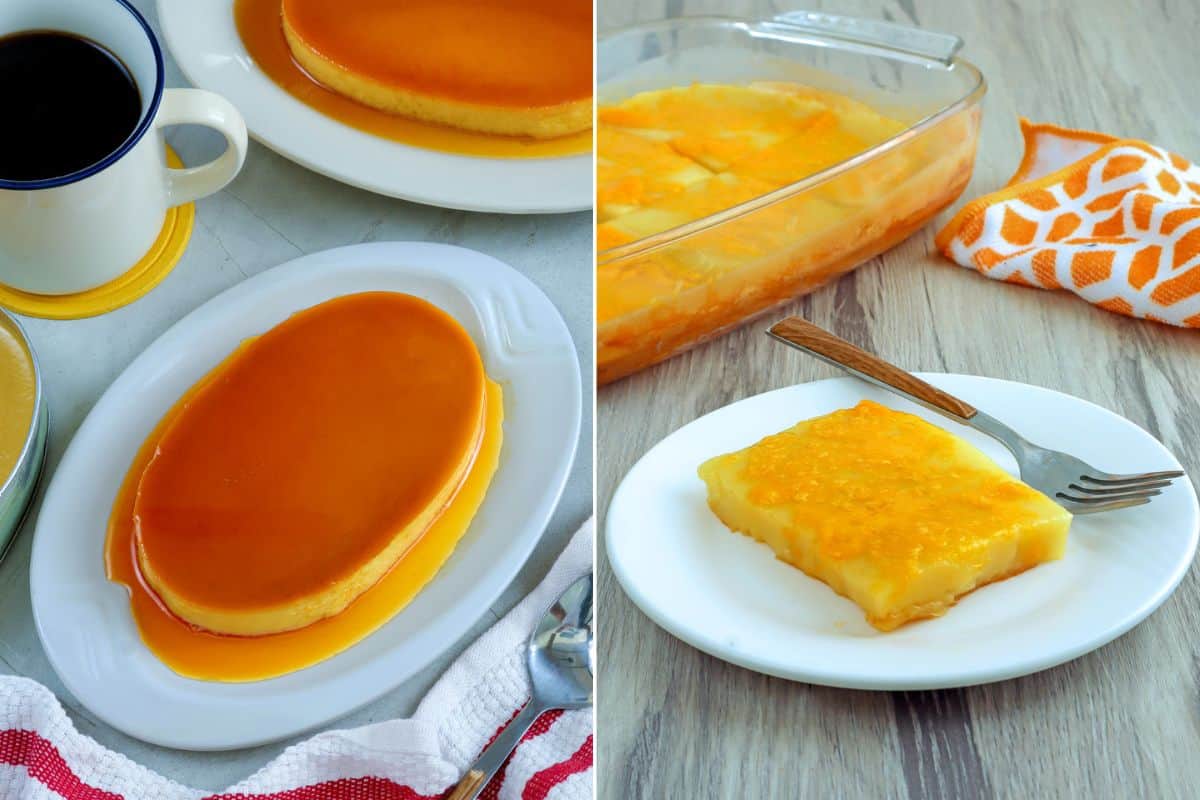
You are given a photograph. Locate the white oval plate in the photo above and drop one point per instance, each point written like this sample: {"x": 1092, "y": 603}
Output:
{"x": 84, "y": 620}
{"x": 204, "y": 40}
{"x": 728, "y": 596}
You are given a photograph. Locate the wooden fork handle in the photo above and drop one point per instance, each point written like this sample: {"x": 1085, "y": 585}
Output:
{"x": 827, "y": 347}
{"x": 468, "y": 786}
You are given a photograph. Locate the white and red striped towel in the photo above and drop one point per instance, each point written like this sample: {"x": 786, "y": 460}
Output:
{"x": 43, "y": 757}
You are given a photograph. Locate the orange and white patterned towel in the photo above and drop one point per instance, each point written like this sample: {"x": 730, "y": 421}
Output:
{"x": 1116, "y": 221}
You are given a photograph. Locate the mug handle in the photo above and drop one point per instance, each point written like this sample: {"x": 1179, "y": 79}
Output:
{"x": 198, "y": 107}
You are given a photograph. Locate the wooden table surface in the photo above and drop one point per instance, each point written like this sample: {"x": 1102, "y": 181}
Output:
{"x": 1123, "y": 721}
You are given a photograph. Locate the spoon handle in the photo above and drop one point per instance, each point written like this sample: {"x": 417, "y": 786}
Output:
{"x": 493, "y": 755}
{"x": 469, "y": 787}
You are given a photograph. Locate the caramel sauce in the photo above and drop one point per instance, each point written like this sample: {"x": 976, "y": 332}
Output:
{"x": 258, "y": 24}
{"x": 198, "y": 654}
{"x": 310, "y": 485}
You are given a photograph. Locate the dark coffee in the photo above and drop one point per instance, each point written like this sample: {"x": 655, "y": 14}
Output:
{"x": 68, "y": 103}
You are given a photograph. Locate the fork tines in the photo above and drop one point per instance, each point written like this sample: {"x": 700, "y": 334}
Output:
{"x": 1118, "y": 491}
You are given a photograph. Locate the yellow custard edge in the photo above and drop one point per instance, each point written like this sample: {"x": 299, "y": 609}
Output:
{"x": 18, "y": 396}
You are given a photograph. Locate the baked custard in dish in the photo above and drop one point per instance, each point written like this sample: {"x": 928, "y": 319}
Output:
{"x": 675, "y": 156}
{"x": 894, "y": 513}
{"x": 279, "y": 497}
{"x": 511, "y": 67}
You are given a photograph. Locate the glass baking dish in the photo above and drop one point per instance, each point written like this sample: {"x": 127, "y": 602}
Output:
{"x": 668, "y": 291}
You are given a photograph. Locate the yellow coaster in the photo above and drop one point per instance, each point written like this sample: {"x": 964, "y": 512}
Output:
{"x": 143, "y": 276}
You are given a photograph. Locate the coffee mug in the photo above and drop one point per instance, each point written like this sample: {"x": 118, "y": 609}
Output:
{"x": 79, "y": 231}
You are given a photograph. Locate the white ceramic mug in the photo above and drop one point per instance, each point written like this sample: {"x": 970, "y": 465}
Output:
{"x": 79, "y": 231}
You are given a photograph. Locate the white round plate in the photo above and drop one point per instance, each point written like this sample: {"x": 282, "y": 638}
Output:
{"x": 84, "y": 620}
{"x": 204, "y": 40}
{"x": 727, "y": 595}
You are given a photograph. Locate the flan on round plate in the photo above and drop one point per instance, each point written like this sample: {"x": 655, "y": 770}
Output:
{"x": 510, "y": 67}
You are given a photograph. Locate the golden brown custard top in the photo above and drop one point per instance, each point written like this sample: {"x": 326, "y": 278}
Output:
{"x": 304, "y": 453}
{"x": 888, "y": 486}
{"x": 501, "y": 52}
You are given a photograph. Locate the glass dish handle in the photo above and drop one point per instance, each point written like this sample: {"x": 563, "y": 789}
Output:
{"x": 926, "y": 44}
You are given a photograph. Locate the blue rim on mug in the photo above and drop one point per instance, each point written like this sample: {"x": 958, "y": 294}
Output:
{"x": 143, "y": 125}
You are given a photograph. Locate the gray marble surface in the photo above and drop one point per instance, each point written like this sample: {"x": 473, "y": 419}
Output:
{"x": 273, "y": 212}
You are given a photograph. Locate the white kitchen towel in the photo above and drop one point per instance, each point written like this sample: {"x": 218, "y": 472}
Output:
{"x": 42, "y": 756}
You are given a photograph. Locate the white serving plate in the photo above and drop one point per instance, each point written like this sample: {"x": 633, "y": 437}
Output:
{"x": 84, "y": 621}
{"x": 204, "y": 40}
{"x": 728, "y": 596}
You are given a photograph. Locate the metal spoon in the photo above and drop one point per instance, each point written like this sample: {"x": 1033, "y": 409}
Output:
{"x": 560, "y": 657}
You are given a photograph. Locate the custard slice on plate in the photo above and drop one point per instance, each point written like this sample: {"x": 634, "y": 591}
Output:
{"x": 894, "y": 513}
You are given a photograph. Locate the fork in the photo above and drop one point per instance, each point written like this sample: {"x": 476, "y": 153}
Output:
{"x": 1074, "y": 484}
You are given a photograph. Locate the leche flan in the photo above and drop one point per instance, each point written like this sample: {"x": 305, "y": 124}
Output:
{"x": 510, "y": 67}
{"x": 896, "y": 514}
{"x": 301, "y": 469}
